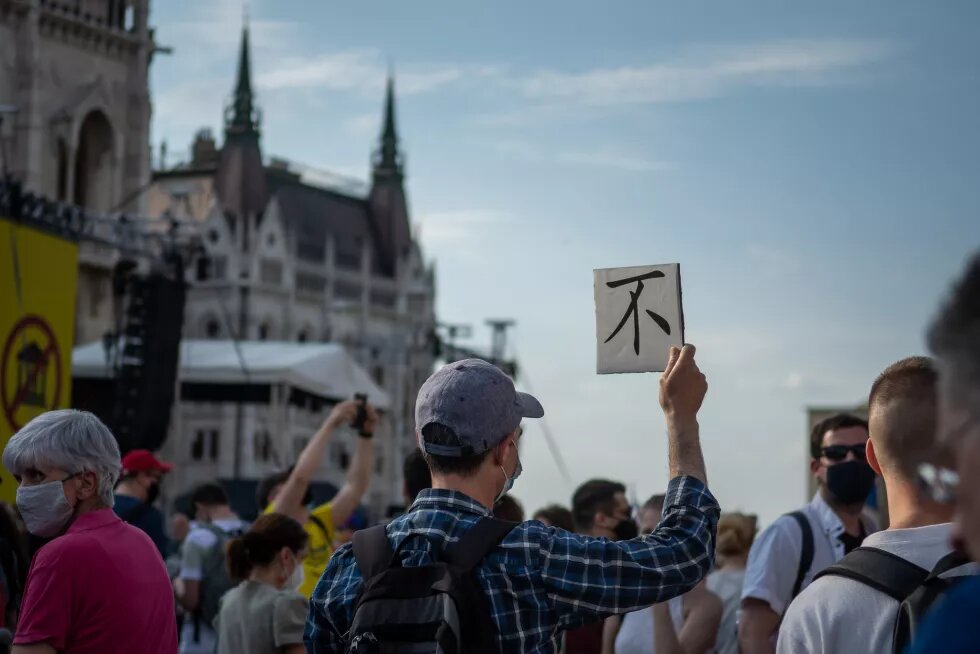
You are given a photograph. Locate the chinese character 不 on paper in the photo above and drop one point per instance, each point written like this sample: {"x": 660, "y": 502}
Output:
{"x": 638, "y": 316}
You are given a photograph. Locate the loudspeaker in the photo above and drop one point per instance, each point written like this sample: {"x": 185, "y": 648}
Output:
{"x": 149, "y": 360}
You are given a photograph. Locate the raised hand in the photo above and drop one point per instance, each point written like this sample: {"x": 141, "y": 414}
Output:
{"x": 682, "y": 386}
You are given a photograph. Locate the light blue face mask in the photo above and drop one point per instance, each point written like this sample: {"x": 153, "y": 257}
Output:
{"x": 508, "y": 480}
{"x": 44, "y": 507}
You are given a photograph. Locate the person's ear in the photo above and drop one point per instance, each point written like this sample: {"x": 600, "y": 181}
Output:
{"x": 872, "y": 457}
{"x": 87, "y": 485}
{"x": 814, "y": 466}
{"x": 500, "y": 451}
{"x": 600, "y": 519}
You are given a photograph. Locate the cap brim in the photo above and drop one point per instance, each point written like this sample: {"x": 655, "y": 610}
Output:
{"x": 164, "y": 467}
{"x": 530, "y": 407}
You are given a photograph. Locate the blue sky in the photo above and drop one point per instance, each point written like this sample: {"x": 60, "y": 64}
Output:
{"x": 813, "y": 169}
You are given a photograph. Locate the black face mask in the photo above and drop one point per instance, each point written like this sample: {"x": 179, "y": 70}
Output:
{"x": 152, "y": 493}
{"x": 626, "y": 529}
{"x": 850, "y": 482}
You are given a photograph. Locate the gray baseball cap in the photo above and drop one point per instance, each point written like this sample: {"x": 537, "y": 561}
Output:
{"x": 475, "y": 400}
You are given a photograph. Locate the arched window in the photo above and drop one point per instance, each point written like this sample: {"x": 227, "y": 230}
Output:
{"x": 212, "y": 328}
{"x": 94, "y": 165}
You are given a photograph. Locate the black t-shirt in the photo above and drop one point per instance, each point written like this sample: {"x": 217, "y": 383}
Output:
{"x": 851, "y": 542}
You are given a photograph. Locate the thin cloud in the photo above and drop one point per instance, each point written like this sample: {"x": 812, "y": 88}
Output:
{"x": 710, "y": 73}
{"x": 362, "y": 71}
{"x": 459, "y": 227}
{"x": 612, "y": 159}
{"x": 604, "y": 157}
{"x": 337, "y": 71}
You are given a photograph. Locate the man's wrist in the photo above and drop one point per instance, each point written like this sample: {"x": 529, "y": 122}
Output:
{"x": 681, "y": 427}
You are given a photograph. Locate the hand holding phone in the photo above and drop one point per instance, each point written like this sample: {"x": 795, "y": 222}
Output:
{"x": 360, "y": 420}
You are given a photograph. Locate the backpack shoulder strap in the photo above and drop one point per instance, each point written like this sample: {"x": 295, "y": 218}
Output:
{"x": 319, "y": 525}
{"x": 881, "y": 570}
{"x": 806, "y": 553}
{"x": 476, "y": 543}
{"x": 949, "y": 562}
{"x": 214, "y": 556}
{"x": 372, "y": 551}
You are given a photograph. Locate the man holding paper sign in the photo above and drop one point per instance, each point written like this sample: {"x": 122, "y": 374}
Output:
{"x": 540, "y": 580}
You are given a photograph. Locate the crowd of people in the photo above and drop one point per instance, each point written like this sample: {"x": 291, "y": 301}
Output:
{"x": 88, "y": 562}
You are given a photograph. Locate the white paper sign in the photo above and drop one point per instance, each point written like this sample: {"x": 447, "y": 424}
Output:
{"x": 638, "y": 316}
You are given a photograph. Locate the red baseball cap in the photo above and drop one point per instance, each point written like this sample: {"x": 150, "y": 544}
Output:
{"x": 143, "y": 460}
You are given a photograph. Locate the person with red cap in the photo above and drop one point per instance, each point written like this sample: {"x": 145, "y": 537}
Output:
{"x": 138, "y": 489}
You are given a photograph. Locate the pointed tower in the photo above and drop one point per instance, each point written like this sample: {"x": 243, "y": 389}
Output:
{"x": 241, "y": 114}
{"x": 387, "y": 159}
{"x": 240, "y": 179}
{"x": 389, "y": 207}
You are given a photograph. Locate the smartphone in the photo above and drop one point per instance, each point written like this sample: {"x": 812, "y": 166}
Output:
{"x": 361, "y": 418}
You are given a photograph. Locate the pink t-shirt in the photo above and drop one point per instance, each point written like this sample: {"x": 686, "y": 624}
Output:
{"x": 101, "y": 587}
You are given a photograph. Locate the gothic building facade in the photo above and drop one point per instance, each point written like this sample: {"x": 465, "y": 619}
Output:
{"x": 75, "y": 118}
{"x": 296, "y": 257}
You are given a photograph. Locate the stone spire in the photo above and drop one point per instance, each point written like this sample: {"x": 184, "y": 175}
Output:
{"x": 388, "y": 160}
{"x": 242, "y": 115}
{"x": 240, "y": 177}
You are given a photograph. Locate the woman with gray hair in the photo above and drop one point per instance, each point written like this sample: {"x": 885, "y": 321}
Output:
{"x": 99, "y": 585}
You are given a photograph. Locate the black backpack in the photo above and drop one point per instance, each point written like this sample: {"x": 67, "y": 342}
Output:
{"x": 806, "y": 551}
{"x": 215, "y": 581}
{"x": 438, "y": 608}
{"x": 914, "y": 588}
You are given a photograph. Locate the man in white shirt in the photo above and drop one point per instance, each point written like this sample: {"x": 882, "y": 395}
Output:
{"x": 202, "y": 567}
{"x": 841, "y": 615}
{"x": 787, "y": 554}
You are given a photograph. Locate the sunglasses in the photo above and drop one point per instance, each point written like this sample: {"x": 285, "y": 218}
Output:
{"x": 941, "y": 484}
{"x": 839, "y": 452}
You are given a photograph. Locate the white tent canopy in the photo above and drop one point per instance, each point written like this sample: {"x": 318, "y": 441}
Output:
{"x": 324, "y": 369}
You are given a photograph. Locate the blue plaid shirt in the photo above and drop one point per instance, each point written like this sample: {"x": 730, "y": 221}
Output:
{"x": 539, "y": 580}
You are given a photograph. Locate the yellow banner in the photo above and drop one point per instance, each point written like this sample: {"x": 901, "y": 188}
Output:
{"x": 38, "y": 277}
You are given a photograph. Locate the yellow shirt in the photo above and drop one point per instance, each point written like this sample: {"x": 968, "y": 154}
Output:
{"x": 320, "y": 546}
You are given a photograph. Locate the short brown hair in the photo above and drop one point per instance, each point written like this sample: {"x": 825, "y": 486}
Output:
{"x": 903, "y": 415}
{"x": 594, "y": 496}
{"x": 833, "y": 423}
{"x": 557, "y": 516}
{"x": 655, "y": 502}
{"x": 509, "y": 509}
{"x": 262, "y": 542}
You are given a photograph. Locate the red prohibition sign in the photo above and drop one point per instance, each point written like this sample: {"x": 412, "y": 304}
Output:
{"x": 13, "y": 401}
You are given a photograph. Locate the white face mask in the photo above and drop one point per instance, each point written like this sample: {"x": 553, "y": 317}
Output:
{"x": 508, "y": 479}
{"x": 297, "y": 577}
{"x": 44, "y": 507}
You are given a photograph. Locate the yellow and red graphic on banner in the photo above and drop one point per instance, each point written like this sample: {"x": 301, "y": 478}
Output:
{"x": 38, "y": 277}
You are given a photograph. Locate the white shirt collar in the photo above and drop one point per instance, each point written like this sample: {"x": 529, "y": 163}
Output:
{"x": 830, "y": 522}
